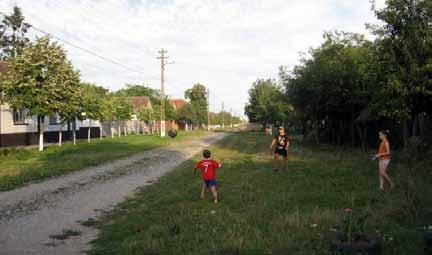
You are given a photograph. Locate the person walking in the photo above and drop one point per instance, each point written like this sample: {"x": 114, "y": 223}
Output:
{"x": 384, "y": 160}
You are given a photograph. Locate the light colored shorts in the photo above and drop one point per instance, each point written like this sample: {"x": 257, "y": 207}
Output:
{"x": 383, "y": 163}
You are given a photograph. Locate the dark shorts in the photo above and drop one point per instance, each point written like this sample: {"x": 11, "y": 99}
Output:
{"x": 281, "y": 152}
{"x": 210, "y": 183}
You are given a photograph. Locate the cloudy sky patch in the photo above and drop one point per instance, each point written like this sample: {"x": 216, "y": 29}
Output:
{"x": 223, "y": 44}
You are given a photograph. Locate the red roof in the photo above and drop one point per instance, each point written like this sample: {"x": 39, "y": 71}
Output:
{"x": 3, "y": 67}
{"x": 140, "y": 102}
{"x": 177, "y": 103}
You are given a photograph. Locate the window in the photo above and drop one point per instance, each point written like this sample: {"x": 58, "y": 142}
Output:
{"x": 54, "y": 119}
{"x": 19, "y": 116}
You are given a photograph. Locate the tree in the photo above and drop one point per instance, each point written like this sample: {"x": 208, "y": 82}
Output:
{"x": 109, "y": 110}
{"x": 156, "y": 116}
{"x": 123, "y": 112}
{"x": 404, "y": 55}
{"x": 170, "y": 112}
{"x": 186, "y": 114}
{"x": 266, "y": 103}
{"x": 13, "y": 38}
{"x": 153, "y": 94}
{"x": 140, "y": 90}
{"x": 145, "y": 115}
{"x": 92, "y": 105}
{"x": 330, "y": 89}
{"x": 40, "y": 80}
{"x": 198, "y": 101}
{"x": 71, "y": 108}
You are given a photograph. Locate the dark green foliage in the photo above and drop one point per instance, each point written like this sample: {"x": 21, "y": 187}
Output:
{"x": 13, "y": 38}
{"x": 266, "y": 103}
{"x": 198, "y": 104}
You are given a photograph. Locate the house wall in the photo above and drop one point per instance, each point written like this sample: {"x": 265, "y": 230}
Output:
{"x": 12, "y": 134}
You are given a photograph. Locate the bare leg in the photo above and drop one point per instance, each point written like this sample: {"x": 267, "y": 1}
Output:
{"x": 276, "y": 163}
{"x": 384, "y": 176}
{"x": 215, "y": 194}
{"x": 286, "y": 163}
{"x": 203, "y": 191}
{"x": 381, "y": 181}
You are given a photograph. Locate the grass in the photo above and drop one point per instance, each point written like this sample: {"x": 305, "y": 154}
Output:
{"x": 262, "y": 212}
{"x": 19, "y": 166}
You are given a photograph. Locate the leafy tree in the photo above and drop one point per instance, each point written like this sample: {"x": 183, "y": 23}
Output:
{"x": 41, "y": 80}
{"x": 13, "y": 31}
{"x": 71, "y": 109}
{"x": 154, "y": 95}
{"x": 266, "y": 103}
{"x": 92, "y": 105}
{"x": 329, "y": 90}
{"x": 124, "y": 110}
{"x": 109, "y": 110}
{"x": 145, "y": 115}
{"x": 140, "y": 90}
{"x": 404, "y": 59}
{"x": 198, "y": 101}
{"x": 186, "y": 114}
{"x": 170, "y": 112}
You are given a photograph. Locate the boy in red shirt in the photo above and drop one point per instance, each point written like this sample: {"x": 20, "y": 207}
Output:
{"x": 208, "y": 167}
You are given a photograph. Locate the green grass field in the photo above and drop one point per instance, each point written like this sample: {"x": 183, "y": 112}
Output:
{"x": 262, "y": 212}
{"x": 22, "y": 165}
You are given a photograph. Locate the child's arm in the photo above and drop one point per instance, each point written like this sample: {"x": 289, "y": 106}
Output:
{"x": 272, "y": 143}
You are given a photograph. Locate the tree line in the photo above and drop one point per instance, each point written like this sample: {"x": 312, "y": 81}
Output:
{"x": 348, "y": 88}
{"x": 42, "y": 80}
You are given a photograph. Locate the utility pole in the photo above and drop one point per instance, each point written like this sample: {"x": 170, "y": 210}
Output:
{"x": 223, "y": 116}
{"x": 208, "y": 109}
{"x": 162, "y": 57}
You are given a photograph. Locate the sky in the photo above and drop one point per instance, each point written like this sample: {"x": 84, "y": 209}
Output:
{"x": 224, "y": 44}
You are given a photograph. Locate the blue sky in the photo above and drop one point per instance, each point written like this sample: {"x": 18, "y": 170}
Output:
{"x": 224, "y": 44}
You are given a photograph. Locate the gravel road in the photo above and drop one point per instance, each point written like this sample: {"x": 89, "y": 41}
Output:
{"x": 33, "y": 218}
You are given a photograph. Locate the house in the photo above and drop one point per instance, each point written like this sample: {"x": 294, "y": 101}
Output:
{"x": 139, "y": 103}
{"x": 17, "y": 128}
{"x": 177, "y": 103}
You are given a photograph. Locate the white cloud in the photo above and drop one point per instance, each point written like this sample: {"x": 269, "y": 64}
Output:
{"x": 221, "y": 43}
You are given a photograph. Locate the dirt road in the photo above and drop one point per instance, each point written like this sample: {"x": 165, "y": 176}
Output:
{"x": 33, "y": 218}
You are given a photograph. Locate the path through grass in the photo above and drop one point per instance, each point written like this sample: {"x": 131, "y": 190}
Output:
{"x": 262, "y": 212}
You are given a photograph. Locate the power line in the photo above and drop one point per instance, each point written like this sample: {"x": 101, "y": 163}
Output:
{"x": 94, "y": 18}
{"x": 88, "y": 51}
{"x": 114, "y": 62}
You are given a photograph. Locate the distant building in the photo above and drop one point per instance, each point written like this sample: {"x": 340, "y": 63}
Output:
{"x": 177, "y": 103}
{"x": 139, "y": 103}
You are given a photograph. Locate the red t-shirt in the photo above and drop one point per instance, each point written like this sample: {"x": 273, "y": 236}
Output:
{"x": 208, "y": 168}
